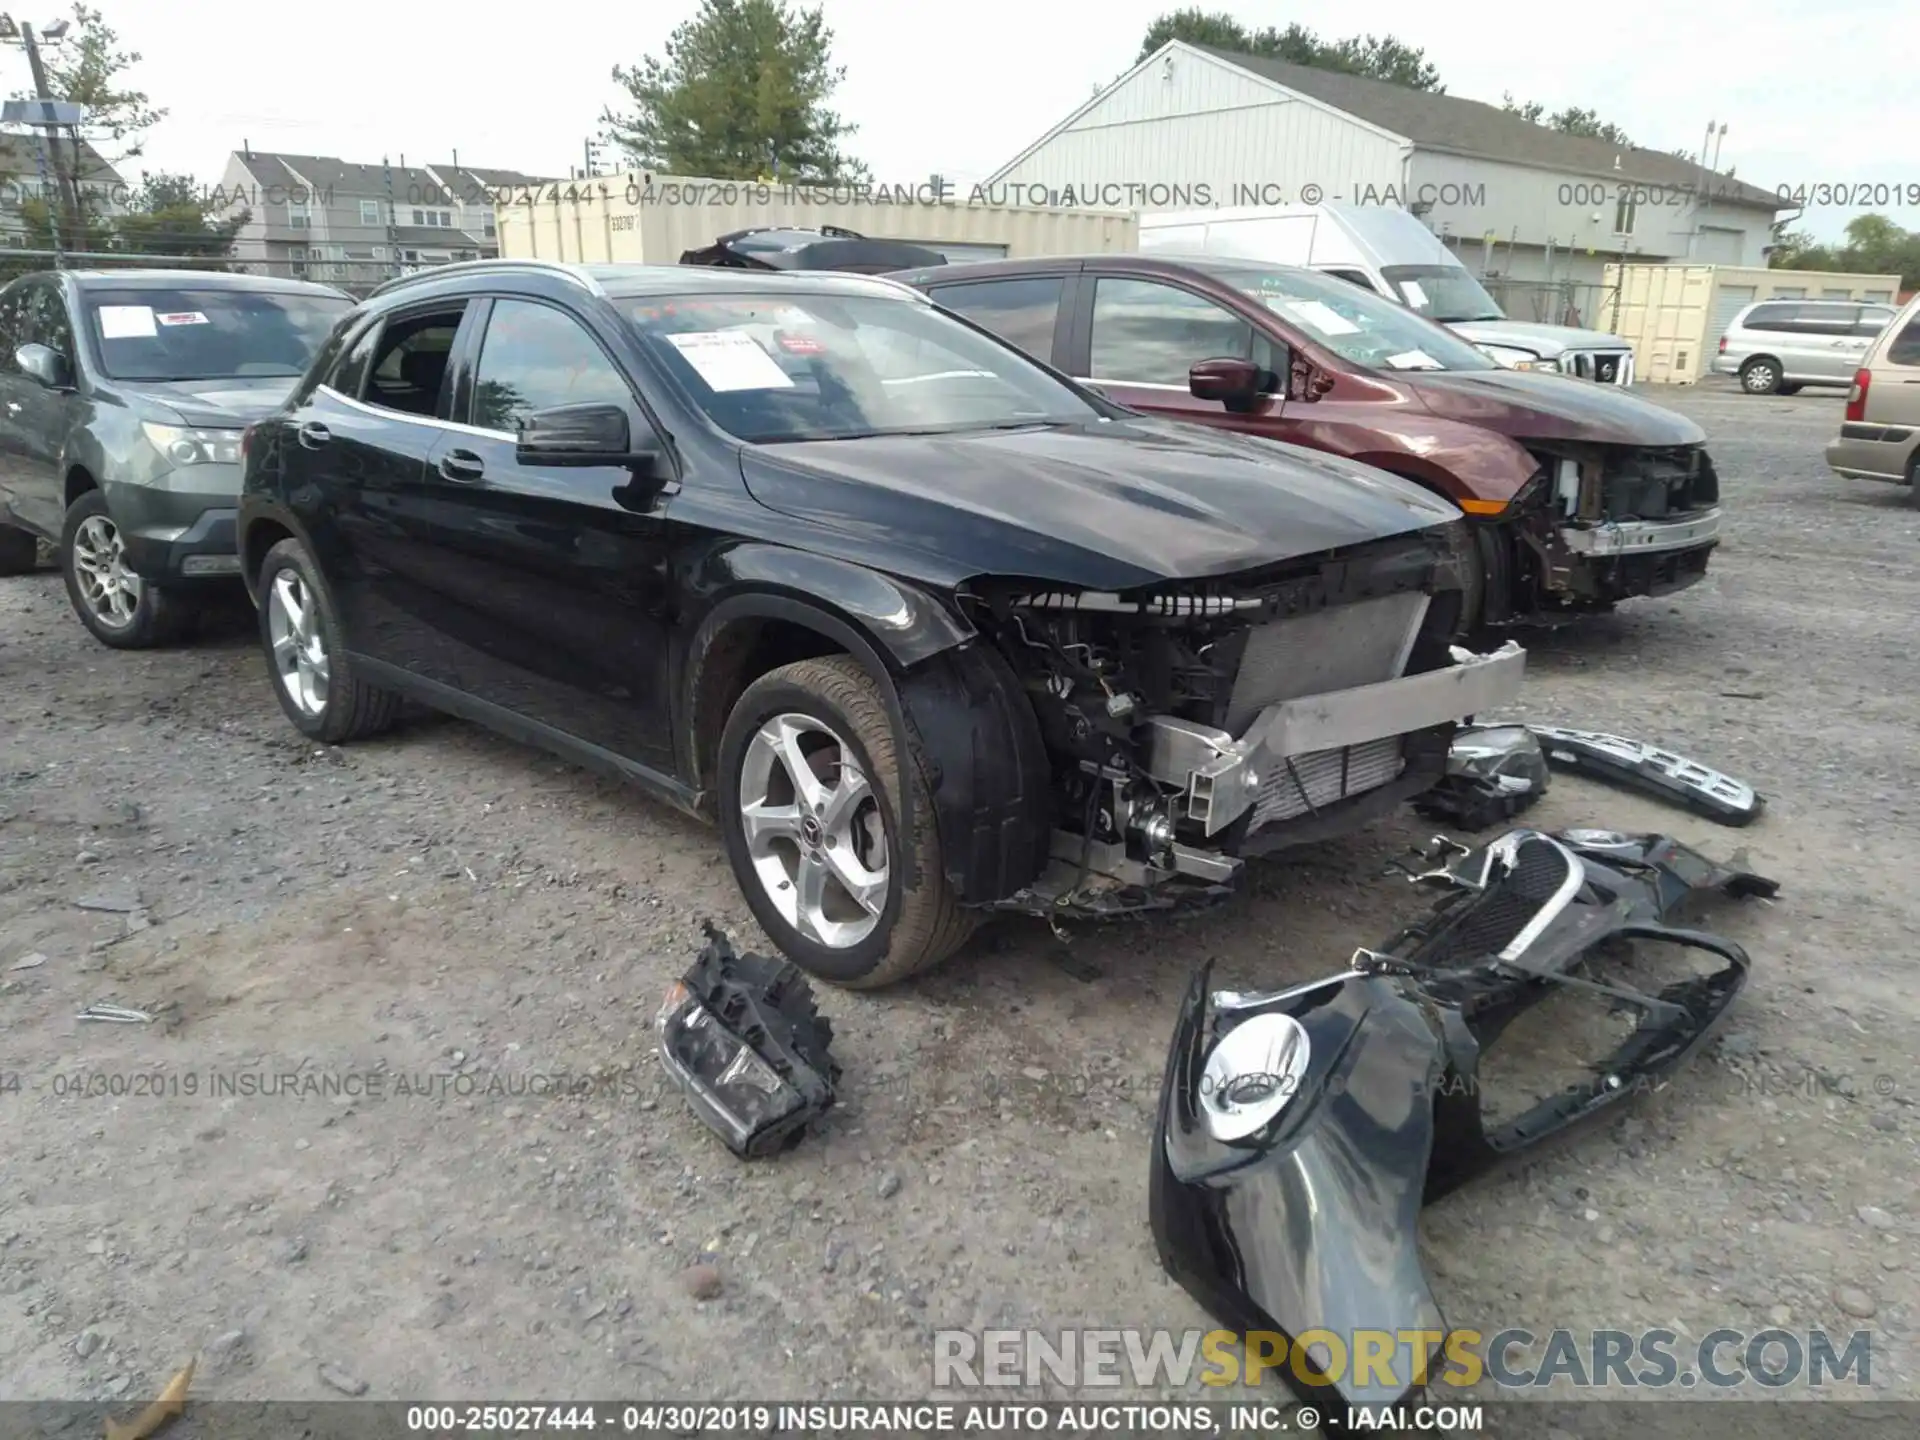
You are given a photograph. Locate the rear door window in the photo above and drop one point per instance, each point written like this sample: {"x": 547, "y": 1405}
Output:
{"x": 1023, "y": 312}
{"x": 1825, "y": 319}
{"x": 407, "y": 369}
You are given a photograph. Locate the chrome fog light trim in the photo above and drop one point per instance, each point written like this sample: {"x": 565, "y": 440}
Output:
{"x": 1251, "y": 1074}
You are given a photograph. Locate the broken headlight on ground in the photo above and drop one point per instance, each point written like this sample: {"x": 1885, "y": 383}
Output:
{"x": 741, "y": 1037}
{"x": 1494, "y": 772}
{"x": 1301, "y": 1130}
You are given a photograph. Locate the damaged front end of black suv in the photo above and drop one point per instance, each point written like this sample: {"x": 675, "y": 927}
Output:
{"x": 1192, "y": 725}
{"x": 1301, "y": 1131}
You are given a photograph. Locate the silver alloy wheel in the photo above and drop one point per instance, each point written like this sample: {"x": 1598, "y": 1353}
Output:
{"x": 813, "y": 829}
{"x": 111, "y": 590}
{"x": 299, "y": 651}
{"x": 1761, "y": 378}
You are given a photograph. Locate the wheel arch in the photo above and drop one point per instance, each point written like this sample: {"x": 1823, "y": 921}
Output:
{"x": 75, "y": 483}
{"x": 959, "y": 706}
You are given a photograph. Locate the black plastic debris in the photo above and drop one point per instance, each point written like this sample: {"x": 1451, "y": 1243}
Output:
{"x": 741, "y": 1036}
{"x": 1494, "y": 772}
{"x": 1635, "y": 765}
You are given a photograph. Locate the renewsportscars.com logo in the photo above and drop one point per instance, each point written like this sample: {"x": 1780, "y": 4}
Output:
{"x": 1511, "y": 1359}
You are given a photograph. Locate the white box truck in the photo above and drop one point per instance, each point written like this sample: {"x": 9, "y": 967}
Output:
{"x": 1388, "y": 250}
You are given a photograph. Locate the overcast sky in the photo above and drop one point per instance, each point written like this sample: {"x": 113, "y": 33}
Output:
{"x": 960, "y": 89}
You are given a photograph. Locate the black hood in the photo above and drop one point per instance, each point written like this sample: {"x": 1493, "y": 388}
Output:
{"x": 1105, "y": 505}
{"x": 225, "y": 404}
{"x": 1529, "y": 405}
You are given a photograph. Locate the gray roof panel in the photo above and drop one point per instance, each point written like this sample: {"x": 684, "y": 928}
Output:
{"x": 1471, "y": 127}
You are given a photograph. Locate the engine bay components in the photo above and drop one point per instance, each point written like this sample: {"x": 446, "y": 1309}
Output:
{"x": 741, "y": 1037}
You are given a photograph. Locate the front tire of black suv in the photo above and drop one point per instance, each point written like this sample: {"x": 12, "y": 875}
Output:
{"x": 809, "y": 812}
{"x": 313, "y": 676}
{"x": 118, "y": 606}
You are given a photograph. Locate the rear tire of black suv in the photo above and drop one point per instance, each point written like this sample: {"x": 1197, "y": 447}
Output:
{"x": 119, "y": 607}
{"x": 821, "y": 857}
{"x": 314, "y": 678}
{"x": 19, "y": 551}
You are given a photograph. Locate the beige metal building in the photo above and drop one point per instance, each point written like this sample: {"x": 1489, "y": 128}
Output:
{"x": 1674, "y": 315}
{"x": 647, "y": 219}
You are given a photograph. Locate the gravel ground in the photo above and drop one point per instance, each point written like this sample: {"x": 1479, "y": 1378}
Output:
{"x": 467, "y": 918}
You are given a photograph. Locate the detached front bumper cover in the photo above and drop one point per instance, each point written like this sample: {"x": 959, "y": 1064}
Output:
{"x": 1373, "y": 1102}
{"x": 739, "y": 1034}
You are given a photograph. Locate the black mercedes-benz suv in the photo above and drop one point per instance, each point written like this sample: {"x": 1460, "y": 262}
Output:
{"x": 927, "y": 628}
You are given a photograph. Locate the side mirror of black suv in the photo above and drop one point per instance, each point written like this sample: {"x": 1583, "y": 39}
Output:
{"x": 583, "y": 435}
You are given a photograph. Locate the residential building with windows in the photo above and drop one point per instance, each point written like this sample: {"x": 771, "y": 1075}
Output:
{"x": 27, "y": 175}
{"x": 316, "y": 217}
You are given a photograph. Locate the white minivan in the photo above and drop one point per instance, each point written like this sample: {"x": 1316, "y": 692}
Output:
{"x": 1387, "y": 250}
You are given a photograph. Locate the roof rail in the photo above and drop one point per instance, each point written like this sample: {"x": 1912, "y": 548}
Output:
{"x": 572, "y": 273}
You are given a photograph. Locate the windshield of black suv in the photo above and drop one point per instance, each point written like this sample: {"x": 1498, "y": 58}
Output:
{"x": 1363, "y": 327}
{"x": 1445, "y": 293}
{"x": 210, "y": 334}
{"x": 817, "y": 366}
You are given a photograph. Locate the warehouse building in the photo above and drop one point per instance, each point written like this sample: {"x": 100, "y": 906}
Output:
{"x": 1519, "y": 201}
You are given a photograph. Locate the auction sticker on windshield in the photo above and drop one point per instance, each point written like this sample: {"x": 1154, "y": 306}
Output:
{"x": 1321, "y": 316}
{"x": 1416, "y": 297}
{"x": 730, "y": 360}
{"x": 183, "y": 317}
{"x": 126, "y": 322}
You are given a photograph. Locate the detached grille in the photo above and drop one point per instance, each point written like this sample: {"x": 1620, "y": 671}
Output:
{"x": 1328, "y": 777}
{"x": 1334, "y": 649}
{"x": 1494, "y": 920}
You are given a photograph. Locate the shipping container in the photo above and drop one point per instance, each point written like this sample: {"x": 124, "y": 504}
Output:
{"x": 1674, "y": 315}
{"x": 648, "y": 219}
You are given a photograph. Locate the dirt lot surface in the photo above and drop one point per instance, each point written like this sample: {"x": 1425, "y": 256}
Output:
{"x": 468, "y": 920}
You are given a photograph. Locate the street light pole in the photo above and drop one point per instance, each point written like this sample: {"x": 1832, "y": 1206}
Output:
{"x": 69, "y": 194}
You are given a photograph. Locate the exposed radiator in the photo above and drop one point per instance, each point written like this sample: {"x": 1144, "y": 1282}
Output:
{"x": 1334, "y": 649}
{"x": 1327, "y": 776}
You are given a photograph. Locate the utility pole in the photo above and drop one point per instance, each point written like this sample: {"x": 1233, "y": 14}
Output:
{"x": 68, "y": 204}
{"x": 592, "y": 152}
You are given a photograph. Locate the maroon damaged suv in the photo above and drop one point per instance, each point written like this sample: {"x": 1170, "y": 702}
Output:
{"x": 1583, "y": 495}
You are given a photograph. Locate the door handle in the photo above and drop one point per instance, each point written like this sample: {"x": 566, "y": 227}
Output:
{"x": 462, "y": 465}
{"x": 313, "y": 435}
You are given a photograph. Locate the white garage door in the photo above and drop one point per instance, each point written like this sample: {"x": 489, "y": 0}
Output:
{"x": 1726, "y": 304}
{"x": 1719, "y": 246}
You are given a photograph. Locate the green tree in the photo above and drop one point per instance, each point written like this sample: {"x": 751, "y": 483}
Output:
{"x": 741, "y": 95}
{"x": 1874, "y": 245}
{"x": 1379, "y": 57}
{"x": 89, "y": 68}
{"x": 170, "y": 215}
